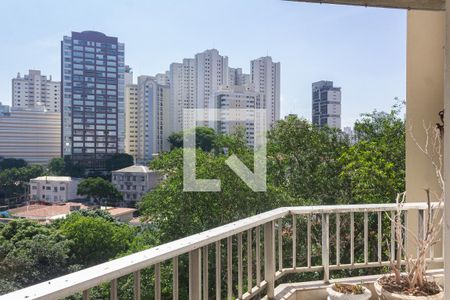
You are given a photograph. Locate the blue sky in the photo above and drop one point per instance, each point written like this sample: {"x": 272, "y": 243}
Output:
{"x": 363, "y": 50}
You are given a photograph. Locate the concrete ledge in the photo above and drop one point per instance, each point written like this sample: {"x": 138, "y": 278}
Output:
{"x": 316, "y": 290}
{"x": 405, "y": 4}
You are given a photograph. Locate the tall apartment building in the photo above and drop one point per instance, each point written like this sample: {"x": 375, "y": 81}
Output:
{"x": 131, "y": 119}
{"x": 35, "y": 88}
{"x": 265, "y": 78}
{"x": 33, "y": 134}
{"x": 212, "y": 72}
{"x": 153, "y": 117}
{"x": 240, "y": 98}
{"x": 326, "y": 104}
{"x": 163, "y": 78}
{"x": 93, "y": 116}
{"x": 194, "y": 82}
{"x": 183, "y": 90}
{"x": 236, "y": 77}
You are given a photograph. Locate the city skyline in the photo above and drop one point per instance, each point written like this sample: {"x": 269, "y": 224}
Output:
{"x": 311, "y": 50}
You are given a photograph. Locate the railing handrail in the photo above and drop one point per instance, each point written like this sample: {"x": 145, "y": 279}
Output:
{"x": 93, "y": 276}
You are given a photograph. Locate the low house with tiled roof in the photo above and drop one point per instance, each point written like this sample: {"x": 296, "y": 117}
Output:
{"x": 45, "y": 213}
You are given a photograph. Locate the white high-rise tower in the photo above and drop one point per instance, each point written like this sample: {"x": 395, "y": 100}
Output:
{"x": 265, "y": 77}
{"x": 182, "y": 78}
{"x": 35, "y": 89}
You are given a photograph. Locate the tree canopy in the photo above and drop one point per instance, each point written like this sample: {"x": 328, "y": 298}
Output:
{"x": 100, "y": 190}
{"x": 95, "y": 239}
{"x": 374, "y": 168}
{"x": 303, "y": 160}
{"x": 119, "y": 161}
{"x": 204, "y": 138}
{"x": 13, "y": 182}
{"x": 31, "y": 253}
{"x": 9, "y": 163}
{"x": 305, "y": 165}
{"x": 65, "y": 166}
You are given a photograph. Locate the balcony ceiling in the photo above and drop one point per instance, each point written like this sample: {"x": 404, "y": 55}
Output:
{"x": 405, "y": 4}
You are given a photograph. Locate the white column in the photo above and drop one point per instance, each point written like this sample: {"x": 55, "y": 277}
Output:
{"x": 447, "y": 154}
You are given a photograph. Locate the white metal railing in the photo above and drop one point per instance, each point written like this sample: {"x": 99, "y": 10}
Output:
{"x": 267, "y": 260}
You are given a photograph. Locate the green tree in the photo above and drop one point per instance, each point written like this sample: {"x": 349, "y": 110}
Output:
{"x": 193, "y": 211}
{"x": 96, "y": 239}
{"x": 374, "y": 168}
{"x": 204, "y": 138}
{"x": 100, "y": 190}
{"x": 119, "y": 161}
{"x": 13, "y": 182}
{"x": 303, "y": 160}
{"x": 65, "y": 166}
{"x": 31, "y": 253}
{"x": 9, "y": 163}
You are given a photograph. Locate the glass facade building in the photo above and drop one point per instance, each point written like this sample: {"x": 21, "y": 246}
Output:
{"x": 92, "y": 114}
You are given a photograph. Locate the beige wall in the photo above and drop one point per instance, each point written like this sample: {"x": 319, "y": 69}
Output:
{"x": 424, "y": 94}
{"x": 424, "y": 100}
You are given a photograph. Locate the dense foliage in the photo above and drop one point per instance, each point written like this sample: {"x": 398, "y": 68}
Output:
{"x": 204, "y": 139}
{"x": 13, "y": 182}
{"x": 119, "y": 161}
{"x": 374, "y": 167}
{"x": 101, "y": 191}
{"x": 9, "y": 163}
{"x": 305, "y": 165}
{"x": 65, "y": 166}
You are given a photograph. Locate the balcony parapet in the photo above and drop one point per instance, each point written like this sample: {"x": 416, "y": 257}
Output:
{"x": 268, "y": 243}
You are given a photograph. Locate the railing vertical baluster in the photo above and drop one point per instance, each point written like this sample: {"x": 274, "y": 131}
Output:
{"x": 431, "y": 215}
{"x": 420, "y": 226}
{"x": 258, "y": 256}
{"x": 308, "y": 240}
{"x": 366, "y": 237}
{"x": 113, "y": 290}
{"x": 379, "y": 236}
{"x": 392, "y": 236}
{"x": 352, "y": 238}
{"x": 205, "y": 273}
{"x": 137, "y": 284}
{"x": 269, "y": 259}
{"x": 229, "y": 268}
{"x": 338, "y": 239}
{"x": 405, "y": 232}
{"x": 175, "y": 291}
{"x": 294, "y": 241}
{"x": 157, "y": 281}
{"x": 280, "y": 244}
{"x": 195, "y": 276}
{"x": 326, "y": 246}
{"x": 249, "y": 261}
{"x": 218, "y": 270}
{"x": 86, "y": 295}
{"x": 240, "y": 276}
